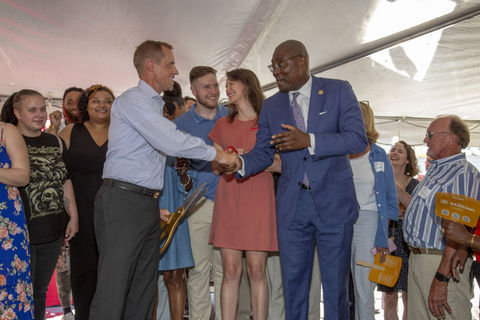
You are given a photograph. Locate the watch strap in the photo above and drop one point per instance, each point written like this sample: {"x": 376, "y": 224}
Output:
{"x": 441, "y": 277}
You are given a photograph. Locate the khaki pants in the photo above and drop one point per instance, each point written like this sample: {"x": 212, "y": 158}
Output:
{"x": 421, "y": 272}
{"x": 204, "y": 254}
{"x": 163, "y": 304}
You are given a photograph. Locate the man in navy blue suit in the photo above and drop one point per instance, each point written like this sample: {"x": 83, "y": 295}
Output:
{"x": 315, "y": 123}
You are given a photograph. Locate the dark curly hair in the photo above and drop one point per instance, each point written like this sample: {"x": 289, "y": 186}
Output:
{"x": 254, "y": 90}
{"x": 70, "y": 90}
{"x": 83, "y": 101}
{"x": 15, "y": 102}
{"x": 411, "y": 168}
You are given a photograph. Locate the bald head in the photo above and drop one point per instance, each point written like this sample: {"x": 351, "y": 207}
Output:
{"x": 290, "y": 65}
{"x": 295, "y": 47}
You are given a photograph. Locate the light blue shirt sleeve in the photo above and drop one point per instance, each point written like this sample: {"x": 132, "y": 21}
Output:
{"x": 140, "y": 138}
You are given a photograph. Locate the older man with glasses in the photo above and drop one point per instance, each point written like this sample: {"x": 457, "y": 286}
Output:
{"x": 431, "y": 294}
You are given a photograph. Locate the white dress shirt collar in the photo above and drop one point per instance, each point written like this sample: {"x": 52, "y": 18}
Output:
{"x": 305, "y": 90}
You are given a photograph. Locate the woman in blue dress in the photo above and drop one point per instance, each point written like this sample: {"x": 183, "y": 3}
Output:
{"x": 177, "y": 183}
{"x": 16, "y": 301}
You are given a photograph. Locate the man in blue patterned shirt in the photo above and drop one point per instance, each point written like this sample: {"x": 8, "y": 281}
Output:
{"x": 429, "y": 291}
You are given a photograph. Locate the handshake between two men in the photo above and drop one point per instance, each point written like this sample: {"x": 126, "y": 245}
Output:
{"x": 292, "y": 139}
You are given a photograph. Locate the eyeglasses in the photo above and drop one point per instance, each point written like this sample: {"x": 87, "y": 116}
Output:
{"x": 429, "y": 135}
{"x": 281, "y": 64}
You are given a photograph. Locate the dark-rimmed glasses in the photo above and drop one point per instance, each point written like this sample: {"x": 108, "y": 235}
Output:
{"x": 281, "y": 64}
{"x": 429, "y": 135}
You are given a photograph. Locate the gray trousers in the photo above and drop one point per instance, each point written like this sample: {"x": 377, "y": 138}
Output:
{"x": 127, "y": 228}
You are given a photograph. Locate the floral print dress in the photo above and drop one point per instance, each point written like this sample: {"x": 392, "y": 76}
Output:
{"x": 16, "y": 301}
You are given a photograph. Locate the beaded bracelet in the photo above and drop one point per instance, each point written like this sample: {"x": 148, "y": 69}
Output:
{"x": 188, "y": 181}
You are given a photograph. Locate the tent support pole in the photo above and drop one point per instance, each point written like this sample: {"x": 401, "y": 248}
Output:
{"x": 392, "y": 40}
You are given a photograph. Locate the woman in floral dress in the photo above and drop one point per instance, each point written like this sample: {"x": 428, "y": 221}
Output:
{"x": 48, "y": 198}
{"x": 16, "y": 300}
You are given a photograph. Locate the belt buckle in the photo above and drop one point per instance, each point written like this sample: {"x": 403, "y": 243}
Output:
{"x": 156, "y": 194}
{"x": 415, "y": 250}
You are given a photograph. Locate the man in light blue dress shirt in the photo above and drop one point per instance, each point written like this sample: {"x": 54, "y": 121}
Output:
{"x": 127, "y": 220}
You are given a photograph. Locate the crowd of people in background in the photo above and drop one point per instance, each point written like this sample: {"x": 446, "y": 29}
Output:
{"x": 298, "y": 191}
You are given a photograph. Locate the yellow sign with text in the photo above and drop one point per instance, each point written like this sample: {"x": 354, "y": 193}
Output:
{"x": 386, "y": 273}
{"x": 457, "y": 208}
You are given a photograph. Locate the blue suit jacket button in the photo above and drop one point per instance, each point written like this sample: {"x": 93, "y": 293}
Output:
{"x": 304, "y": 158}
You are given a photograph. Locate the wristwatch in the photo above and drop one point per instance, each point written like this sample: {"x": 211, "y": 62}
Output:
{"x": 441, "y": 277}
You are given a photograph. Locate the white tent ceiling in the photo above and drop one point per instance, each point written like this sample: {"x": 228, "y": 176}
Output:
{"x": 409, "y": 58}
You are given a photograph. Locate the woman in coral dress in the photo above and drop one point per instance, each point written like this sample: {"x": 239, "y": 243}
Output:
{"x": 244, "y": 210}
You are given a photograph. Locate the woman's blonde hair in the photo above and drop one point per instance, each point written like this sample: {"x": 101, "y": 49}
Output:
{"x": 369, "y": 120}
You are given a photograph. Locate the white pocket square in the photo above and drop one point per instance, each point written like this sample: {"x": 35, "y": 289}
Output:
{"x": 322, "y": 113}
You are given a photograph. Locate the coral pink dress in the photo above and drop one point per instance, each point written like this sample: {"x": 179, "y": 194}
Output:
{"x": 244, "y": 210}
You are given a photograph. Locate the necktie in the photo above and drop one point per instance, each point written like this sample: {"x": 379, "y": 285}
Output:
{"x": 297, "y": 113}
{"x": 300, "y": 121}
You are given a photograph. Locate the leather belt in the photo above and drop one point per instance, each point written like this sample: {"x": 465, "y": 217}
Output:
{"x": 132, "y": 187}
{"x": 425, "y": 251}
{"x": 306, "y": 187}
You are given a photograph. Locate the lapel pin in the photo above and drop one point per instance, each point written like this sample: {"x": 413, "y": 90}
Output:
{"x": 320, "y": 92}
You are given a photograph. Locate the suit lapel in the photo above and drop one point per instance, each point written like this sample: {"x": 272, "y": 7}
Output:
{"x": 317, "y": 98}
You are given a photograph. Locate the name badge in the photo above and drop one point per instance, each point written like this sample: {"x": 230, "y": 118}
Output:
{"x": 424, "y": 193}
{"x": 379, "y": 166}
